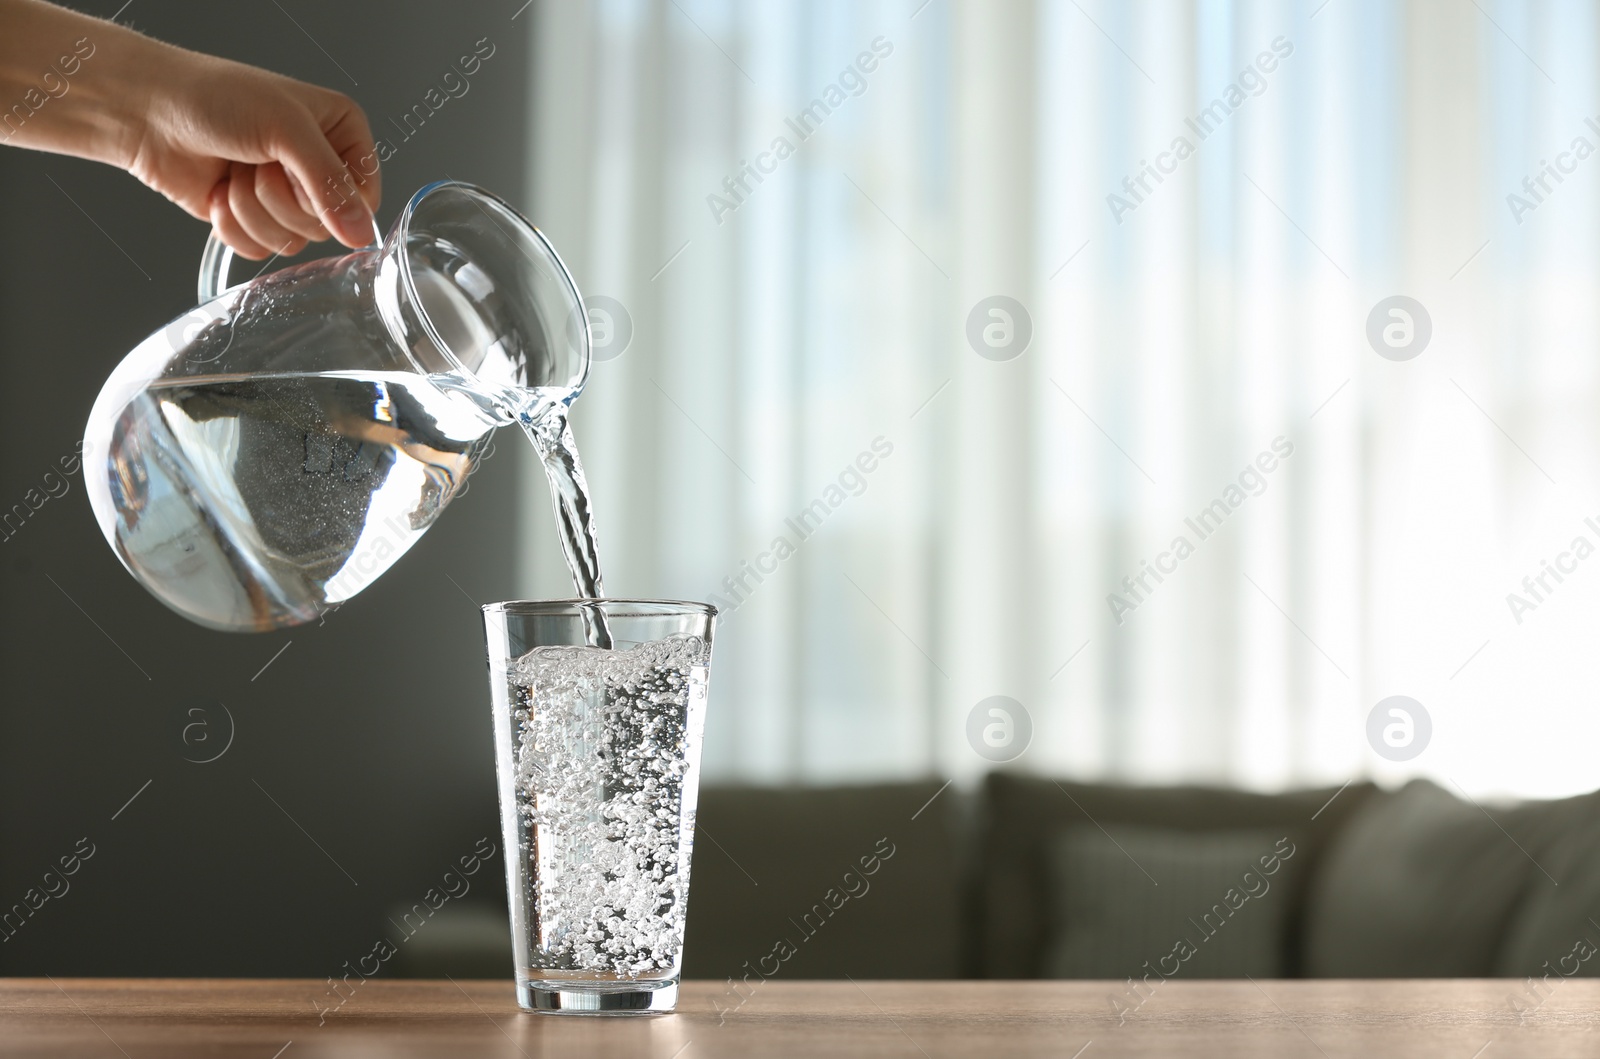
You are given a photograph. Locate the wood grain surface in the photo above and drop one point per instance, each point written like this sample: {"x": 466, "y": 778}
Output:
{"x": 137, "y": 1018}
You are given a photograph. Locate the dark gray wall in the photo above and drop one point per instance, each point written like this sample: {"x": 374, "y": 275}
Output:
{"x": 371, "y": 731}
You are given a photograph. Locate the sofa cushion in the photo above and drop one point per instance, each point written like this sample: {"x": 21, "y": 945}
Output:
{"x": 1011, "y": 893}
{"x": 1555, "y": 929}
{"x": 842, "y": 876}
{"x": 1420, "y": 884}
{"x": 1132, "y": 901}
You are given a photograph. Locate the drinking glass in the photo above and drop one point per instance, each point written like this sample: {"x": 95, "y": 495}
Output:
{"x": 597, "y": 753}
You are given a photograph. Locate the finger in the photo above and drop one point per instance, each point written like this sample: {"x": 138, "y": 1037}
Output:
{"x": 324, "y": 183}
{"x": 274, "y": 193}
{"x": 351, "y": 138}
{"x": 292, "y": 247}
{"x": 228, "y": 228}
{"x": 258, "y": 224}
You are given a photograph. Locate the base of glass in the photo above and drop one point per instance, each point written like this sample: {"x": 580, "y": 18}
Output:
{"x": 597, "y": 998}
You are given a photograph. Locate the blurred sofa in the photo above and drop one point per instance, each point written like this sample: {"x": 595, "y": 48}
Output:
{"x": 1029, "y": 877}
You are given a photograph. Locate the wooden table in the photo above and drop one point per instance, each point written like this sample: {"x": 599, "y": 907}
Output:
{"x": 279, "y": 1020}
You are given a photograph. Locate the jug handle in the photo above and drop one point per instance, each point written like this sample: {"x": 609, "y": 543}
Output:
{"x": 214, "y": 264}
{"x": 217, "y": 258}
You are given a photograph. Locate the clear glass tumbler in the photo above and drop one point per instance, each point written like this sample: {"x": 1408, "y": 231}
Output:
{"x": 597, "y": 752}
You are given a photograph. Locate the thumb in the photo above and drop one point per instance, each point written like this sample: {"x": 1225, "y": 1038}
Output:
{"x": 325, "y": 186}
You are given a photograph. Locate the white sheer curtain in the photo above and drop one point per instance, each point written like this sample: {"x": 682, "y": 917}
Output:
{"x": 1215, "y": 311}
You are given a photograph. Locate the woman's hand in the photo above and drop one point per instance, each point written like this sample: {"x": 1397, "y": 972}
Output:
{"x": 271, "y": 162}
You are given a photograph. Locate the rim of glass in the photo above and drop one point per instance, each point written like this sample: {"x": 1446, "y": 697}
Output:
{"x": 524, "y": 228}
{"x": 610, "y": 605}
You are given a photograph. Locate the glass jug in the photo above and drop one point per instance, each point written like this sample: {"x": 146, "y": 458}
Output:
{"x": 272, "y": 452}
